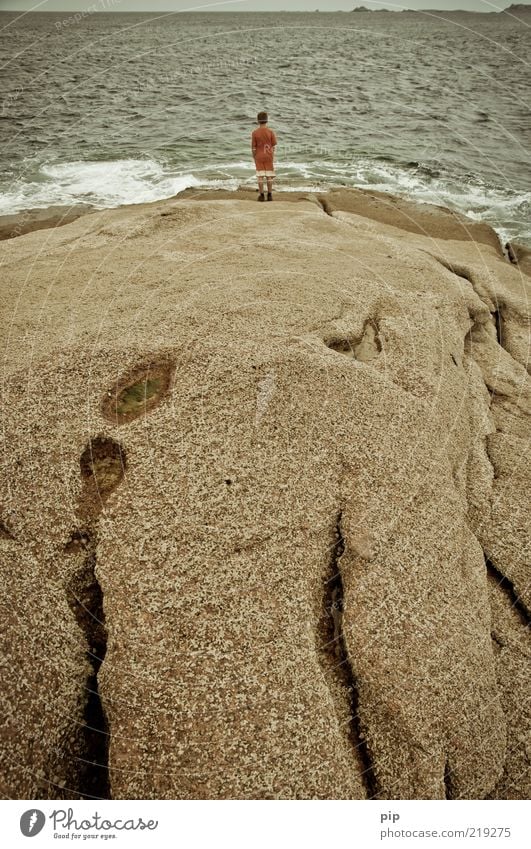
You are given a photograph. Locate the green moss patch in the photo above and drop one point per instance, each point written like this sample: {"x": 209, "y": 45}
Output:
{"x": 134, "y": 397}
{"x": 137, "y": 392}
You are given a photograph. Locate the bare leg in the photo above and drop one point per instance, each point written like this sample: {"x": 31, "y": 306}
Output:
{"x": 269, "y": 185}
{"x": 261, "y": 185}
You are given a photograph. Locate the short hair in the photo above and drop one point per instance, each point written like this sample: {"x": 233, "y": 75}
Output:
{"x": 262, "y": 118}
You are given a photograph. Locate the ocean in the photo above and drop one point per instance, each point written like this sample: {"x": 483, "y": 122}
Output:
{"x": 110, "y": 109}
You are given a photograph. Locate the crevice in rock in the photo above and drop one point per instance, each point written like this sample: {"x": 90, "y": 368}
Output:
{"x": 470, "y": 277}
{"x": 102, "y": 464}
{"x": 85, "y": 599}
{"x": 497, "y": 640}
{"x": 473, "y": 337}
{"x": 336, "y": 647}
{"x": 510, "y": 253}
{"x": 454, "y": 268}
{"x": 342, "y": 345}
{"x": 364, "y": 348}
{"x": 5, "y": 533}
{"x": 498, "y": 325}
{"x": 449, "y": 792}
{"x": 79, "y": 541}
{"x": 323, "y": 203}
{"x": 494, "y": 470}
{"x": 508, "y": 588}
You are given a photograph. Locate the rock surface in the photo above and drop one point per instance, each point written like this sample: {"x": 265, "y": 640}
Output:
{"x": 263, "y": 517}
{"x": 20, "y": 223}
{"x": 521, "y": 256}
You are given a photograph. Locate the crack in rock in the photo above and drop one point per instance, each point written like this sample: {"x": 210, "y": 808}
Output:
{"x": 85, "y": 599}
{"x": 102, "y": 467}
{"x": 364, "y": 348}
{"x": 323, "y": 203}
{"x": 337, "y": 648}
{"x": 5, "y": 533}
{"x": 496, "y": 315}
{"x": 508, "y": 588}
{"x": 103, "y": 464}
{"x": 449, "y": 792}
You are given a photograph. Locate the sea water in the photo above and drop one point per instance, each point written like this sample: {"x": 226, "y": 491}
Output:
{"x": 108, "y": 108}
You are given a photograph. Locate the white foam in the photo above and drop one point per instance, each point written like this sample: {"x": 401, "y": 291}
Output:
{"x": 102, "y": 184}
{"x": 503, "y": 209}
{"x": 131, "y": 181}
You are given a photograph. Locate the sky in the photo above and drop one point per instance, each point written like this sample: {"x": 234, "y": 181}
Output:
{"x": 247, "y": 5}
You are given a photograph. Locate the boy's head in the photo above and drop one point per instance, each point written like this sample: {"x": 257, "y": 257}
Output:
{"x": 262, "y": 118}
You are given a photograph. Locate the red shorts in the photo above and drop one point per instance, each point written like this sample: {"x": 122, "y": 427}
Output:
{"x": 265, "y": 167}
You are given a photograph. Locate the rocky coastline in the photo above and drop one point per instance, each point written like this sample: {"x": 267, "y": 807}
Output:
{"x": 264, "y": 504}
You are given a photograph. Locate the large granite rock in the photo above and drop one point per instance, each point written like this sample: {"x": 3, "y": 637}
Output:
{"x": 263, "y": 507}
{"x": 28, "y": 220}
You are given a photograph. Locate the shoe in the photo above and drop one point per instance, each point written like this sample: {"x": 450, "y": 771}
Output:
{"x": 269, "y": 196}
{"x": 261, "y": 197}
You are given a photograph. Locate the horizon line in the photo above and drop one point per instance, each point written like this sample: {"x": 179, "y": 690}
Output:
{"x": 89, "y": 13}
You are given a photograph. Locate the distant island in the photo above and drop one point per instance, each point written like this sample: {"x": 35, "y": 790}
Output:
{"x": 514, "y": 9}
{"x": 517, "y": 9}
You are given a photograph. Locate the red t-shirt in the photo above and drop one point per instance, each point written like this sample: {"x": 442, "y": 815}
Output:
{"x": 263, "y": 141}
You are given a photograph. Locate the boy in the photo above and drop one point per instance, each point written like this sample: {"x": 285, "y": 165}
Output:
{"x": 263, "y": 144}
